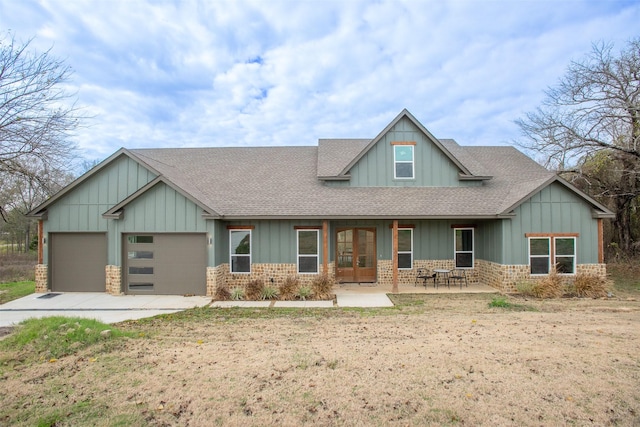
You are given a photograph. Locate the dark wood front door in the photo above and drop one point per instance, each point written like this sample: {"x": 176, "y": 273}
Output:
{"x": 356, "y": 255}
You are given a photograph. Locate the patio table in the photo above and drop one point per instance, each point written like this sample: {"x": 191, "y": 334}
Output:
{"x": 442, "y": 273}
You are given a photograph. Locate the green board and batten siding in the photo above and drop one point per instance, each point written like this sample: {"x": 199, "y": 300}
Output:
{"x": 432, "y": 167}
{"x": 81, "y": 209}
{"x": 554, "y": 209}
{"x": 272, "y": 241}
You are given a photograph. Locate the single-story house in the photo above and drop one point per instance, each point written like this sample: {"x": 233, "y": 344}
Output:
{"x": 185, "y": 220}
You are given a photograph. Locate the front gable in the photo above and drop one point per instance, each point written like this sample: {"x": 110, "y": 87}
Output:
{"x": 404, "y": 154}
{"x": 79, "y": 206}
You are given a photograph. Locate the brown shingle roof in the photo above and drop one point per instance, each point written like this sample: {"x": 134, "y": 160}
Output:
{"x": 283, "y": 182}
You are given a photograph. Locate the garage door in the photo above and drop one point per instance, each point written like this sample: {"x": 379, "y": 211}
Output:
{"x": 77, "y": 262}
{"x": 165, "y": 264}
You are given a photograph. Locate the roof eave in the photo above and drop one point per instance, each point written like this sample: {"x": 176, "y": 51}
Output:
{"x": 64, "y": 191}
{"x": 463, "y": 177}
{"x": 335, "y": 178}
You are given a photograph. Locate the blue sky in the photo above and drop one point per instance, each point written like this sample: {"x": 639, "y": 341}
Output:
{"x": 256, "y": 73}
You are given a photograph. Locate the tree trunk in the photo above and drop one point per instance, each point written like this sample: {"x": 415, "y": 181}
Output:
{"x": 622, "y": 224}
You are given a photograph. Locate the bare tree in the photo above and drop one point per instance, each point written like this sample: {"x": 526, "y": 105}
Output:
{"x": 37, "y": 114}
{"x": 595, "y": 108}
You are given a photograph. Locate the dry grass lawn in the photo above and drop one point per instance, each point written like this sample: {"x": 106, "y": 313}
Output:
{"x": 432, "y": 360}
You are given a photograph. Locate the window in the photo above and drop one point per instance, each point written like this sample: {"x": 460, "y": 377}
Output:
{"x": 403, "y": 161}
{"x": 308, "y": 251}
{"x": 140, "y": 255}
{"x": 565, "y": 255}
{"x": 405, "y": 248}
{"x": 140, "y": 270}
{"x": 140, "y": 239}
{"x": 240, "y": 251}
{"x": 463, "y": 251}
{"x": 539, "y": 255}
{"x": 553, "y": 250}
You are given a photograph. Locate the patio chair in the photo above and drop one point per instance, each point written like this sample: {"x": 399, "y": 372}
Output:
{"x": 423, "y": 275}
{"x": 460, "y": 275}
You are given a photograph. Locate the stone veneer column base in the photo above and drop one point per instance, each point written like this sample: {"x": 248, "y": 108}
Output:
{"x": 42, "y": 283}
{"x": 114, "y": 280}
{"x": 271, "y": 275}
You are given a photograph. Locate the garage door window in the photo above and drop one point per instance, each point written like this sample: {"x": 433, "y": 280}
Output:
{"x": 140, "y": 255}
{"x": 240, "y": 248}
{"x": 140, "y": 239}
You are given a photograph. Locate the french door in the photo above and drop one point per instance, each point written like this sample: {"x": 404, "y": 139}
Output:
{"x": 356, "y": 255}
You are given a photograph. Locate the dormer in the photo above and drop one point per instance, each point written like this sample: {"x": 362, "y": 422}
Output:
{"x": 404, "y": 154}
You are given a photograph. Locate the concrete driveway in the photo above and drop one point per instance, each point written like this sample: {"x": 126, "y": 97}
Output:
{"x": 103, "y": 307}
{"x": 112, "y": 309}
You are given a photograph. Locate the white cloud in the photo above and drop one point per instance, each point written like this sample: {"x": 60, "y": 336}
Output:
{"x": 290, "y": 72}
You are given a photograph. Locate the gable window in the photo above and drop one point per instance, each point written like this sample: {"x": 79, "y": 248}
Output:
{"x": 405, "y": 248}
{"x": 545, "y": 252}
{"x": 403, "y": 161}
{"x": 240, "y": 251}
{"x": 308, "y": 251}
{"x": 463, "y": 247}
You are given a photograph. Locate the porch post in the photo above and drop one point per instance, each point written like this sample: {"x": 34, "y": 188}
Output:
{"x": 325, "y": 247}
{"x": 40, "y": 241}
{"x": 394, "y": 257}
{"x": 600, "y": 241}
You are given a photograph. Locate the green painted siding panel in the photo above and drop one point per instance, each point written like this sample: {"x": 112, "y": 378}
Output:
{"x": 272, "y": 241}
{"x": 431, "y": 166}
{"x": 554, "y": 209}
{"x": 77, "y": 210}
{"x": 141, "y": 214}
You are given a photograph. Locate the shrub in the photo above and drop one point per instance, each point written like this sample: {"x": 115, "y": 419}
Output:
{"x": 237, "y": 294}
{"x": 322, "y": 286}
{"x": 254, "y": 289}
{"x": 269, "y": 292}
{"x": 304, "y": 293}
{"x": 549, "y": 287}
{"x": 222, "y": 292}
{"x": 525, "y": 288}
{"x": 289, "y": 288}
{"x": 589, "y": 286}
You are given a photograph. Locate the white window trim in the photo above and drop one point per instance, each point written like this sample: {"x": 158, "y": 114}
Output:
{"x": 317, "y": 255}
{"x": 406, "y": 252}
{"x": 574, "y": 256}
{"x": 250, "y": 255}
{"x": 395, "y": 162}
{"x": 473, "y": 248}
{"x": 553, "y": 255}
{"x": 548, "y": 256}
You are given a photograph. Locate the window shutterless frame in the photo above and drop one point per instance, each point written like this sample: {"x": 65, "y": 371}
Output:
{"x": 565, "y": 255}
{"x": 405, "y": 248}
{"x": 403, "y": 162}
{"x": 240, "y": 251}
{"x": 539, "y": 256}
{"x": 463, "y": 247}
{"x": 308, "y": 251}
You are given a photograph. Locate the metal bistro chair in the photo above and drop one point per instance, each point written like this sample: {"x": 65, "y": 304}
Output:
{"x": 460, "y": 275}
{"x": 424, "y": 275}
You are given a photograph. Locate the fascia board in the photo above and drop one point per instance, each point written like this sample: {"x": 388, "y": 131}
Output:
{"x": 605, "y": 213}
{"x": 37, "y": 212}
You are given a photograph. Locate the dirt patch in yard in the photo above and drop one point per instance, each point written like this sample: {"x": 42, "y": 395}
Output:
{"x": 436, "y": 360}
